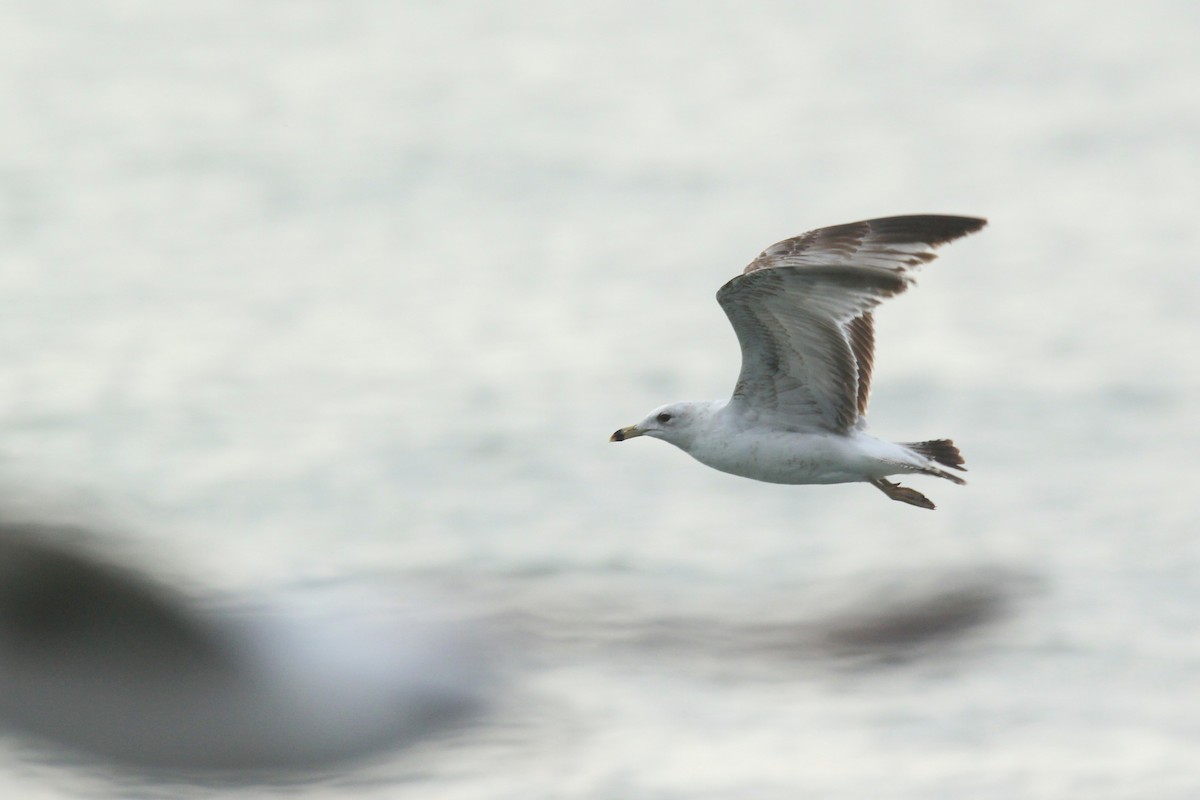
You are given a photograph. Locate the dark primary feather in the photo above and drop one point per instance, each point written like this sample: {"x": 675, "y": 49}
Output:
{"x": 802, "y": 314}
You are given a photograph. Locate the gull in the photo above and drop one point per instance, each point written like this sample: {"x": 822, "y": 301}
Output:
{"x": 802, "y": 312}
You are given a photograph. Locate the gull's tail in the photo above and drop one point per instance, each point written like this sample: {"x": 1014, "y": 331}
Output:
{"x": 935, "y": 452}
{"x": 940, "y": 451}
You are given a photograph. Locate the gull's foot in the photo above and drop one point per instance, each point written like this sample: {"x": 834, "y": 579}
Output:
{"x": 903, "y": 494}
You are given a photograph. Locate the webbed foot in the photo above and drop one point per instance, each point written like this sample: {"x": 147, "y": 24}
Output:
{"x": 903, "y": 494}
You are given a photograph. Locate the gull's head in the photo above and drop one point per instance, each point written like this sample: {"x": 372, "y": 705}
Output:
{"x": 673, "y": 423}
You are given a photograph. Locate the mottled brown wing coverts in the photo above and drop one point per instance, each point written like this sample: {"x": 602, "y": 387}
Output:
{"x": 886, "y": 242}
{"x": 802, "y": 314}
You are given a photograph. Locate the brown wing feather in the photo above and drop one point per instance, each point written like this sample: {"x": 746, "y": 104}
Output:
{"x": 896, "y": 243}
{"x": 861, "y": 331}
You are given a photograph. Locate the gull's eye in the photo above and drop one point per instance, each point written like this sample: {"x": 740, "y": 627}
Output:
{"x": 664, "y": 417}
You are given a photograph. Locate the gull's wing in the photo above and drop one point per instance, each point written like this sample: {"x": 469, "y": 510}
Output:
{"x": 802, "y": 314}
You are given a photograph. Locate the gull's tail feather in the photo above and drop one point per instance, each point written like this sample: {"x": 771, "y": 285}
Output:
{"x": 941, "y": 451}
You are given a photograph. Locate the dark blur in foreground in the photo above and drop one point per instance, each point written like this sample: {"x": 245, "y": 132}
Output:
{"x": 112, "y": 662}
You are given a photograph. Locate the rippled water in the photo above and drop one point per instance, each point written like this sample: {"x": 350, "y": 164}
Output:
{"x": 310, "y": 292}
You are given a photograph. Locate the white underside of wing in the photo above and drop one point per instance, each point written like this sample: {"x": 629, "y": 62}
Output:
{"x": 798, "y": 368}
{"x": 794, "y": 306}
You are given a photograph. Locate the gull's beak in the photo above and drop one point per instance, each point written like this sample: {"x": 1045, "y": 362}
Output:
{"x": 626, "y": 433}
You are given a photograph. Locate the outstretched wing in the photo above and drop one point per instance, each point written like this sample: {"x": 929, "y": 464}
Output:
{"x": 802, "y": 314}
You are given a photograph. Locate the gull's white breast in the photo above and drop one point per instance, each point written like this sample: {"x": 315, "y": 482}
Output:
{"x": 795, "y": 457}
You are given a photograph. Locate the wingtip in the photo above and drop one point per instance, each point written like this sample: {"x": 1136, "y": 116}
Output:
{"x": 933, "y": 229}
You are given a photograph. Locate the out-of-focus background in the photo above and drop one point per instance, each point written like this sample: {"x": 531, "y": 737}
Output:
{"x": 305, "y": 292}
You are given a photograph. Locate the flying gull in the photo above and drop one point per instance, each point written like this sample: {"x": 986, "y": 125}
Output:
{"x": 802, "y": 312}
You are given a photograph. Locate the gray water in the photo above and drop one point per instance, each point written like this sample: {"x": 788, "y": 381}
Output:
{"x": 306, "y": 292}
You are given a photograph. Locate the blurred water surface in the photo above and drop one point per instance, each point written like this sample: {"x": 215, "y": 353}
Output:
{"x": 309, "y": 291}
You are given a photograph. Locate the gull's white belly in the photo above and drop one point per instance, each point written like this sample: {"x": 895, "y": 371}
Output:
{"x": 785, "y": 457}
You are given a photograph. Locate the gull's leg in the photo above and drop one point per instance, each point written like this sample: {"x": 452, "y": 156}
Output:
{"x": 903, "y": 494}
